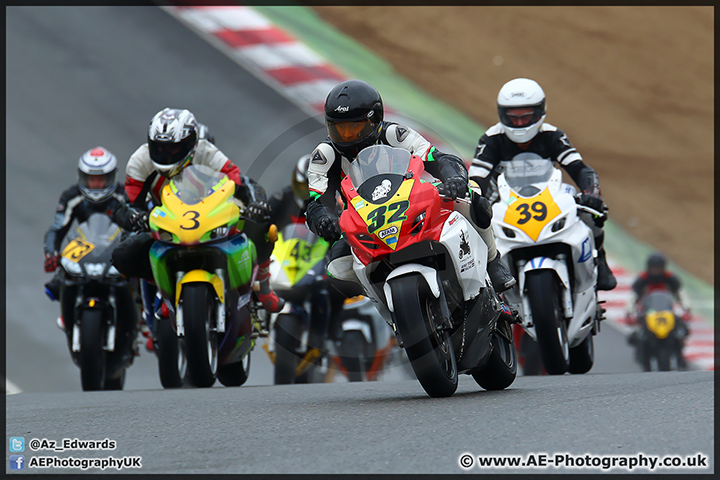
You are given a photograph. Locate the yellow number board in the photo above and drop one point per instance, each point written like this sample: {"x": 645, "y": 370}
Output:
{"x": 384, "y": 220}
{"x": 531, "y": 214}
{"x": 660, "y": 323}
{"x": 77, "y": 249}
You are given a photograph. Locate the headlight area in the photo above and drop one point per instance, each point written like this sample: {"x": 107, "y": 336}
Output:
{"x": 71, "y": 267}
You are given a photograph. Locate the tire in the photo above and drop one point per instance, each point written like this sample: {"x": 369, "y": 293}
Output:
{"x": 430, "y": 352}
{"x": 117, "y": 383}
{"x": 92, "y": 354}
{"x": 582, "y": 357}
{"x": 663, "y": 359}
{"x": 533, "y": 360}
{"x": 172, "y": 362}
{"x": 501, "y": 369}
{"x": 550, "y": 327}
{"x": 352, "y": 355}
{"x": 201, "y": 346}
{"x": 235, "y": 374}
{"x": 288, "y": 330}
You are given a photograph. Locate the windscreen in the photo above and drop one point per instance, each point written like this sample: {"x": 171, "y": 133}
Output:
{"x": 376, "y": 160}
{"x": 195, "y": 183}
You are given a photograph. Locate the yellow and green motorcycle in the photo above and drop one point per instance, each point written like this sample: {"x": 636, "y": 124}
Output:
{"x": 204, "y": 267}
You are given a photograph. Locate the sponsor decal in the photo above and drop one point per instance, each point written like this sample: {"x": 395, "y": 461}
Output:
{"x": 388, "y": 231}
{"x": 401, "y": 133}
{"x": 382, "y": 190}
{"x": 467, "y": 265}
{"x": 342, "y": 109}
{"x": 452, "y": 221}
{"x": 464, "y": 245}
{"x": 319, "y": 158}
{"x": 585, "y": 252}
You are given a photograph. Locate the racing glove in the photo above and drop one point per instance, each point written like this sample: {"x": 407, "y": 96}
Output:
{"x": 139, "y": 220}
{"x": 328, "y": 228}
{"x": 51, "y": 261}
{"x": 258, "y": 212}
{"x": 592, "y": 200}
{"x": 455, "y": 187}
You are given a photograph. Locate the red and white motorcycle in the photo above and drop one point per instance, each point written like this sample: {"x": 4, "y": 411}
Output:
{"x": 424, "y": 266}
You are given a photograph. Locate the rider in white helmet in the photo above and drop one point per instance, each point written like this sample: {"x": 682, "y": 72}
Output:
{"x": 96, "y": 191}
{"x": 522, "y": 128}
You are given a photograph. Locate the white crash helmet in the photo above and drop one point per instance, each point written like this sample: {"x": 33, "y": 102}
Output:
{"x": 521, "y": 93}
{"x": 172, "y": 139}
{"x": 299, "y": 181}
{"x": 97, "y": 169}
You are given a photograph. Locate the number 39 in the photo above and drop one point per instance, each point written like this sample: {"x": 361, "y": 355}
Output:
{"x": 538, "y": 207}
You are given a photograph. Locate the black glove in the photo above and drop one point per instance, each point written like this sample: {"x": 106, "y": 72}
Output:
{"x": 139, "y": 220}
{"x": 258, "y": 212}
{"x": 455, "y": 187}
{"x": 329, "y": 228}
{"x": 591, "y": 200}
{"x": 51, "y": 261}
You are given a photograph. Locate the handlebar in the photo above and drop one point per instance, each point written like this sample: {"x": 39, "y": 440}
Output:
{"x": 444, "y": 197}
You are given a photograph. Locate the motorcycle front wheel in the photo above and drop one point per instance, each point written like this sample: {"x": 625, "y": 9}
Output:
{"x": 92, "y": 351}
{"x": 431, "y": 354}
{"x": 550, "y": 327}
{"x": 352, "y": 354}
{"x": 198, "y": 304}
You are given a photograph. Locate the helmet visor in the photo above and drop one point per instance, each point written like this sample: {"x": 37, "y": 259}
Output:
{"x": 96, "y": 182}
{"x": 349, "y": 132}
{"x": 168, "y": 153}
{"x": 520, "y": 117}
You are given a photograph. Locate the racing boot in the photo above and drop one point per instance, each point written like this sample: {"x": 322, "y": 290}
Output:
{"x": 500, "y": 276}
{"x": 269, "y": 299}
{"x": 606, "y": 280}
{"x": 52, "y": 289}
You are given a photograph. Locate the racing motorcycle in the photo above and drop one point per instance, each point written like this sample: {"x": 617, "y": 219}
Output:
{"x": 660, "y": 336}
{"x": 424, "y": 266}
{"x": 298, "y": 331}
{"x": 551, "y": 252}
{"x": 204, "y": 268}
{"x": 97, "y": 306}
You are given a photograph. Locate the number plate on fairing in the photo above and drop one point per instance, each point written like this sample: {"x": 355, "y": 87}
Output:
{"x": 385, "y": 220}
{"x": 531, "y": 214}
{"x": 77, "y": 249}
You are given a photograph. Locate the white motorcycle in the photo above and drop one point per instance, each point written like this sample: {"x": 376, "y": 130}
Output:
{"x": 552, "y": 254}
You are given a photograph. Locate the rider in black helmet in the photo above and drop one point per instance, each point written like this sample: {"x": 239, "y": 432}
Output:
{"x": 354, "y": 119}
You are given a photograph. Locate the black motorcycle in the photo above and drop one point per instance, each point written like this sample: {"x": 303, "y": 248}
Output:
{"x": 97, "y": 305}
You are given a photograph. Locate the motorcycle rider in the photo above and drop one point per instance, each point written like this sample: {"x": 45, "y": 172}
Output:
{"x": 654, "y": 278}
{"x": 354, "y": 119}
{"x": 172, "y": 145}
{"x": 522, "y": 128}
{"x": 96, "y": 191}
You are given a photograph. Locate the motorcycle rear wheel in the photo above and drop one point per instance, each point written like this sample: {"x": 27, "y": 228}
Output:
{"x": 116, "y": 383}
{"x": 172, "y": 362}
{"x": 550, "y": 326}
{"x": 92, "y": 352}
{"x": 288, "y": 330}
{"x": 582, "y": 357}
{"x": 352, "y": 355}
{"x": 430, "y": 351}
{"x": 235, "y": 374}
{"x": 198, "y": 303}
{"x": 501, "y": 369}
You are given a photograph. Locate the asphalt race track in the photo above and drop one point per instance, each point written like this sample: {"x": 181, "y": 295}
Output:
{"x": 81, "y": 77}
